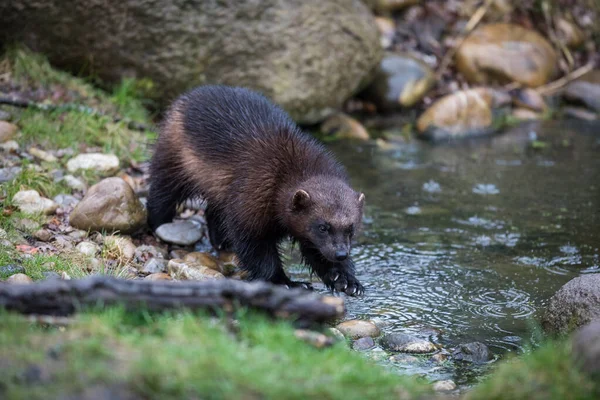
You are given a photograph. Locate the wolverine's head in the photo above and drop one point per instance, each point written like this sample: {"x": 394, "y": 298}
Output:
{"x": 325, "y": 213}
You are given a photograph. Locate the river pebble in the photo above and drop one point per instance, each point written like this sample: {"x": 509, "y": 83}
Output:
{"x": 406, "y": 343}
{"x": 11, "y": 269}
{"x": 180, "y": 270}
{"x": 160, "y": 276}
{"x": 356, "y": 329}
{"x": 88, "y": 248}
{"x": 42, "y": 155}
{"x": 7, "y": 131}
{"x": 203, "y": 259}
{"x": 9, "y": 173}
{"x": 43, "y": 235}
{"x": 444, "y": 386}
{"x": 30, "y": 202}
{"x": 144, "y": 253}
{"x": 10, "y": 147}
{"x": 183, "y": 233}
{"x": 155, "y": 265}
{"x": 19, "y": 279}
{"x": 97, "y": 162}
{"x": 74, "y": 183}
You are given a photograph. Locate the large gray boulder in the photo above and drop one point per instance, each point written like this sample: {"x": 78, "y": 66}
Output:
{"x": 307, "y": 55}
{"x": 574, "y": 305}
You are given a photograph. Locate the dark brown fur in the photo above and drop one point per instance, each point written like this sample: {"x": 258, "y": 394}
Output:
{"x": 263, "y": 180}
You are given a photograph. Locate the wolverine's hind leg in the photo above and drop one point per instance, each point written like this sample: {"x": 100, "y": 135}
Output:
{"x": 216, "y": 232}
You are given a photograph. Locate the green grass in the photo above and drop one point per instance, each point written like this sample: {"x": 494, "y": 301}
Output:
{"x": 184, "y": 355}
{"x": 85, "y": 113}
{"x": 547, "y": 373}
{"x": 31, "y": 179}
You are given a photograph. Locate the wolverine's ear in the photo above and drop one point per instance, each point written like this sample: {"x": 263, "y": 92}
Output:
{"x": 301, "y": 200}
{"x": 361, "y": 199}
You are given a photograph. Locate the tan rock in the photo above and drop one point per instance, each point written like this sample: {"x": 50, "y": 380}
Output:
{"x": 7, "y": 131}
{"x": 203, "y": 259}
{"x": 569, "y": 33}
{"x": 19, "y": 279}
{"x": 357, "y": 329}
{"x": 506, "y": 53}
{"x": 159, "y": 276}
{"x": 42, "y": 155}
{"x": 109, "y": 205}
{"x": 461, "y": 114}
{"x": 179, "y": 269}
{"x": 530, "y": 99}
{"x": 119, "y": 248}
{"x": 525, "y": 114}
{"x": 342, "y": 126}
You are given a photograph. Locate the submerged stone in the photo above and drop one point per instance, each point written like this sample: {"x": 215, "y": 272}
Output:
{"x": 474, "y": 352}
{"x": 406, "y": 343}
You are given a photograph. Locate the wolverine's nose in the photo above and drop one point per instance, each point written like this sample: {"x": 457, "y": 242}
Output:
{"x": 341, "y": 255}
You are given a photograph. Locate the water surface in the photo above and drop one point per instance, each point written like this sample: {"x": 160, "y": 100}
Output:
{"x": 467, "y": 241}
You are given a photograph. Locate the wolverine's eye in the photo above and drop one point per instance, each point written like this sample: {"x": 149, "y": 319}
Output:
{"x": 351, "y": 230}
{"x": 323, "y": 228}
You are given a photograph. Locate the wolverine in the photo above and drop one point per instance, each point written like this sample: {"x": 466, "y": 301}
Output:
{"x": 263, "y": 180}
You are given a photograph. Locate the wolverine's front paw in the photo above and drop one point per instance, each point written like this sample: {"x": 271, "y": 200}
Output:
{"x": 342, "y": 281}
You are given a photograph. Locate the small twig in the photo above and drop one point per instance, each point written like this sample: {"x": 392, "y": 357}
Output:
{"x": 10, "y": 101}
{"x": 471, "y": 24}
{"x": 559, "y": 83}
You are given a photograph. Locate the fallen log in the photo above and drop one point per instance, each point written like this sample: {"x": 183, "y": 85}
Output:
{"x": 65, "y": 297}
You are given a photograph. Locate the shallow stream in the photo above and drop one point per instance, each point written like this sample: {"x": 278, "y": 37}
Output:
{"x": 466, "y": 242}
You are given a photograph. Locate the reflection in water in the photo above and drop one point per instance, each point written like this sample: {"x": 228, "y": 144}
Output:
{"x": 469, "y": 240}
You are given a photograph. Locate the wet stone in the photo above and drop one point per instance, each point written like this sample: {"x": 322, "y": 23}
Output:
{"x": 356, "y": 329}
{"x": 11, "y": 269}
{"x": 183, "y": 233}
{"x": 365, "y": 343}
{"x": 337, "y": 334}
{"x": 178, "y": 253}
{"x": 474, "y": 352}
{"x": 404, "y": 359}
{"x": 406, "y": 344}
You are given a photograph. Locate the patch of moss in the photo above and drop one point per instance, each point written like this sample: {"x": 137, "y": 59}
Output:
{"x": 547, "y": 373}
{"x": 185, "y": 355}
